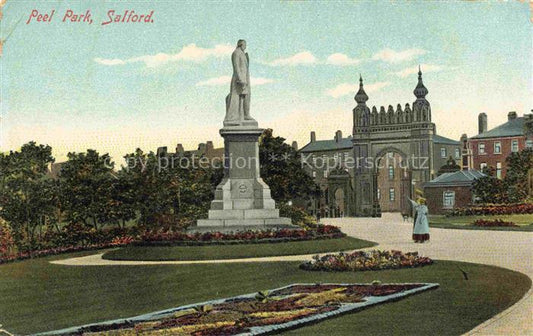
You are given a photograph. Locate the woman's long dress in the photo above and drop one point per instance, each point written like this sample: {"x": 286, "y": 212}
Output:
{"x": 421, "y": 228}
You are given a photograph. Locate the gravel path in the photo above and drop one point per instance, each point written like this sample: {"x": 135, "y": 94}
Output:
{"x": 512, "y": 250}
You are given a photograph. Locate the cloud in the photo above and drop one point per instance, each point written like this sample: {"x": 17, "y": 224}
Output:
{"x": 341, "y": 60}
{"x": 425, "y": 68}
{"x": 260, "y": 80}
{"x": 114, "y": 61}
{"x": 189, "y": 53}
{"x": 222, "y": 80}
{"x": 391, "y": 56}
{"x": 225, "y": 80}
{"x": 302, "y": 58}
{"x": 348, "y": 88}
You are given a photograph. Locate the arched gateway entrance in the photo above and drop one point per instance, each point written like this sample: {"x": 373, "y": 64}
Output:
{"x": 340, "y": 191}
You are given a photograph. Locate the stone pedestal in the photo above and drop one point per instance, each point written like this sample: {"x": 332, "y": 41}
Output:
{"x": 242, "y": 199}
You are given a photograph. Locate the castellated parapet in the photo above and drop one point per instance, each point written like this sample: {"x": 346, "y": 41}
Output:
{"x": 373, "y": 119}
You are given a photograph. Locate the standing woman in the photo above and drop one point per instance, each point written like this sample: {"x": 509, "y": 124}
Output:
{"x": 421, "y": 228}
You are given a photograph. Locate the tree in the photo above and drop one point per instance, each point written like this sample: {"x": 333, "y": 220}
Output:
{"x": 282, "y": 170}
{"x": 25, "y": 193}
{"x": 489, "y": 189}
{"x": 166, "y": 190}
{"x": 86, "y": 183}
{"x": 513, "y": 188}
{"x": 518, "y": 165}
{"x": 120, "y": 205}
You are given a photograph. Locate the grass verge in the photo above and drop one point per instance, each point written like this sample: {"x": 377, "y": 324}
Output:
{"x": 210, "y": 252}
{"x": 39, "y": 296}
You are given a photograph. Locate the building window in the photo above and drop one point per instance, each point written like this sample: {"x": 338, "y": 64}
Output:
{"x": 497, "y": 147}
{"x": 314, "y": 173}
{"x": 514, "y": 146}
{"x": 457, "y": 153}
{"x": 443, "y": 152}
{"x": 481, "y": 148}
{"x": 379, "y": 194}
{"x": 482, "y": 166}
{"x": 529, "y": 143}
{"x": 391, "y": 172}
{"x": 392, "y": 195}
{"x": 499, "y": 170}
{"x": 448, "y": 199}
{"x": 325, "y": 173}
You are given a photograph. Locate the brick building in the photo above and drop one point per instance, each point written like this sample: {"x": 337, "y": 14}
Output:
{"x": 450, "y": 190}
{"x": 205, "y": 150}
{"x": 490, "y": 148}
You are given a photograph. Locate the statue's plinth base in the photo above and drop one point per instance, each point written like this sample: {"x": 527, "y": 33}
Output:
{"x": 242, "y": 199}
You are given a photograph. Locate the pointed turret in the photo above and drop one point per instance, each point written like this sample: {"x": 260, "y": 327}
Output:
{"x": 420, "y": 91}
{"x": 421, "y": 107}
{"x": 361, "y": 97}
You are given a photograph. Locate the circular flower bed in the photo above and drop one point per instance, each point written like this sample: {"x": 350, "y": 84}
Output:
{"x": 365, "y": 261}
{"x": 493, "y": 223}
{"x": 240, "y": 237}
{"x": 123, "y": 237}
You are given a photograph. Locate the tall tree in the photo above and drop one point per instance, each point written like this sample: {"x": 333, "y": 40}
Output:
{"x": 25, "y": 196}
{"x": 87, "y": 182}
{"x": 282, "y": 170}
{"x": 166, "y": 189}
{"x": 518, "y": 165}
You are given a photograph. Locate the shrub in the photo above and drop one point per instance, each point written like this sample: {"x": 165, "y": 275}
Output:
{"x": 241, "y": 237}
{"x": 493, "y": 223}
{"x": 297, "y": 215}
{"x": 494, "y": 209}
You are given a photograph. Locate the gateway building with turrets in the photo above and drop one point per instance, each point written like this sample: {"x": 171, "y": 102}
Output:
{"x": 390, "y": 152}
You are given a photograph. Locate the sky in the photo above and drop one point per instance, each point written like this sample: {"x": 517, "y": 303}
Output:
{"x": 120, "y": 86}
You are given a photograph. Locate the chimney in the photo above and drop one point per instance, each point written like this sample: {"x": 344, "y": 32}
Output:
{"x": 209, "y": 145}
{"x": 528, "y": 124}
{"x": 179, "y": 149}
{"x": 295, "y": 145}
{"x": 313, "y": 136}
{"x": 464, "y": 138}
{"x": 161, "y": 151}
{"x": 338, "y": 136}
{"x": 482, "y": 123}
{"x": 511, "y": 115}
{"x": 464, "y": 152}
{"x": 201, "y": 147}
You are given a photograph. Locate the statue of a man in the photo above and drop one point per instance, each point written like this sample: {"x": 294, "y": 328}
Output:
{"x": 238, "y": 100}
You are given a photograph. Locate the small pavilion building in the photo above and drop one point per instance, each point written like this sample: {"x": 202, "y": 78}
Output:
{"x": 450, "y": 190}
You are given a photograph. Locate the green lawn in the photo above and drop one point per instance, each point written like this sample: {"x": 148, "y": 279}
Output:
{"x": 525, "y": 222}
{"x": 236, "y": 251}
{"x": 38, "y": 296}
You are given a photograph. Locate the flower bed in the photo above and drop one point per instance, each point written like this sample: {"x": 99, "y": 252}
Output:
{"x": 365, "y": 261}
{"x": 494, "y": 209}
{"x": 118, "y": 242}
{"x": 254, "y": 314}
{"x": 241, "y": 237}
{"x": 125, "y": 237}
{"x": 493, "y": 223}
